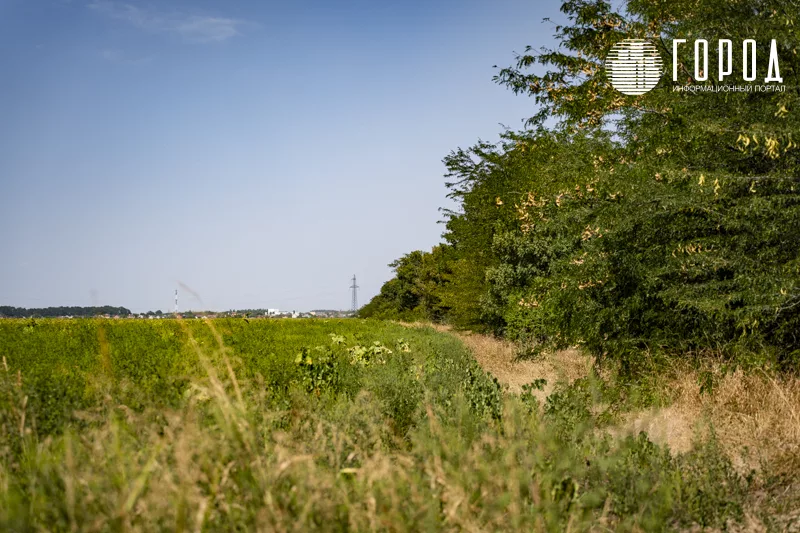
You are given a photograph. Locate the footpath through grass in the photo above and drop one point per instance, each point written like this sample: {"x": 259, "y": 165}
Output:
{"x": 335, "y": 425}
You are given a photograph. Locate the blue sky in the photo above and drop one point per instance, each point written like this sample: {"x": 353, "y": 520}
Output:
{"x": 258, "y": 153}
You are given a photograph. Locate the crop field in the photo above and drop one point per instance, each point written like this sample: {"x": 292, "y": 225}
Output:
{"x": 334, "y": 425}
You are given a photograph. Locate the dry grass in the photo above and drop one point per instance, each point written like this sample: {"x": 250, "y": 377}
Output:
{"x": 499, "y": 358}
{"x": 673, "y": 426}
{"x": 756, "y": 417}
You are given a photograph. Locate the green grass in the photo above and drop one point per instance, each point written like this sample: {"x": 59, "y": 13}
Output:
{"x": 335, "y": 425}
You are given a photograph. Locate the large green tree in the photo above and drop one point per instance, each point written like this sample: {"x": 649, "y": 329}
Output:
{"x": 662, "y": 223}
{"x": 412, "y": 293}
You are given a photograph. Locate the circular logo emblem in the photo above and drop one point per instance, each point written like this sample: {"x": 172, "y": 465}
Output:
{"x": 634, "y": 66}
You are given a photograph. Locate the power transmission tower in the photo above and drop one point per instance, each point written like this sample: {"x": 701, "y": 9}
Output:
{"x": 354, "y": 287}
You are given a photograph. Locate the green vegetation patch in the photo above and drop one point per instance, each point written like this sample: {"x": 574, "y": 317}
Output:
{"x": 333, "y": 425}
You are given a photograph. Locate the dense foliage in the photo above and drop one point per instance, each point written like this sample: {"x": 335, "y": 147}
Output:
{"x": 666, "y": 223}
{"x": 335, "y": 425}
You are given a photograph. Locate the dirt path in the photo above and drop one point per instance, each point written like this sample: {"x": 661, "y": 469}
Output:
{"x": 675, "y": 426}
{"x": 756, "y": 417}
{"x": 499, "y": 358}
{"x": 749, "y": 411}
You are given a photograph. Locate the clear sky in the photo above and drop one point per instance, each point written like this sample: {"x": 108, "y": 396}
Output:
{"x": 259, "y": 153}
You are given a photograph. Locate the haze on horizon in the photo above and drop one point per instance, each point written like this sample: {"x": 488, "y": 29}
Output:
{"x": 257, "y": 153}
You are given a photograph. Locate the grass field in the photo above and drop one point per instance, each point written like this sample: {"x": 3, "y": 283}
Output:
{"x": 336, "y": 425}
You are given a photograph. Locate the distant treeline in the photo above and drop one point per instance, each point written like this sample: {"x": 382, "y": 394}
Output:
{"x": 52, "y": 312}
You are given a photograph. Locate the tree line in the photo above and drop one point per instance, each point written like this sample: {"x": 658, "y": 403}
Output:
{"x": 638, "y": 227}
{"x": 55, "y": 312}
